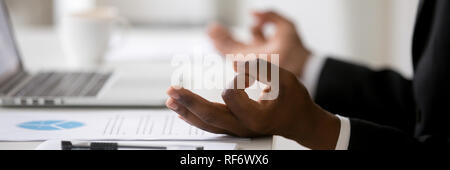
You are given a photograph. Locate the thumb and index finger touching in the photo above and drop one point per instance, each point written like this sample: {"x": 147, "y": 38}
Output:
{"x": 237, "y": 99}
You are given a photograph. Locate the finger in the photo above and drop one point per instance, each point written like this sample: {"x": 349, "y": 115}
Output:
{"x": 241, "y": 81}
{"x": 213, "y": 114}
{"x": 258, "y": 34}
{"x": 189, "y": 117}
{"x": 267, "y": 73}
{"x": 191, "y": 101}
{"x": 239, "y": 102}
{"x": 223, "y": 40}
{"x": 258, "y": 69}
{"x": 263, "y": 71}
{"x": 270, "y": 16}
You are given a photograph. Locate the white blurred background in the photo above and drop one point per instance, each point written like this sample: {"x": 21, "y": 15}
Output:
{"x": 373, "y": 32}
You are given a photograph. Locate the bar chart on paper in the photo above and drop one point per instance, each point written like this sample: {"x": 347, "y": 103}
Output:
{"x": 118, "y": 125}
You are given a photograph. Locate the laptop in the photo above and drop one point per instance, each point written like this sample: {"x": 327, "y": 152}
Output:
{"x": 20, "y": 88}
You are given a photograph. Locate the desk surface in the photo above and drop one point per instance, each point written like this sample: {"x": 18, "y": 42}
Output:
{"x": 253, "y": 144}
{"x": 41, "y": 50}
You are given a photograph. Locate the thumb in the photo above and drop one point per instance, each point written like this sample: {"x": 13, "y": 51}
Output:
{"x": 258, "y": 34}
{"x": 270, "y": 17}
{"x": 267, "y": 73}
{"x": 237, "y": 99}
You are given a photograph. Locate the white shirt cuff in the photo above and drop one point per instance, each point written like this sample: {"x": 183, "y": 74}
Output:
{"x": 310, "y": 80}
{"x": 311, "y": 73}
{"x": 344, "y": 134}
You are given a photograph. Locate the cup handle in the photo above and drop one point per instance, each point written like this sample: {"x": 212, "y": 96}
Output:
{"x": 121, "y": 26}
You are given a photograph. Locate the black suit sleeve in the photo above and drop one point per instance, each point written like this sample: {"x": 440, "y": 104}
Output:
{"x": 379, "y": 103}
{"x": 383, "y": 97}
{"x": 388, "y": 111}
{"x": 367, "y": 135}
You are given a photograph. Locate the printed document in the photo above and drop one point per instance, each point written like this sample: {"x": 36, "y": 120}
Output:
{"x": 113, "y": 125}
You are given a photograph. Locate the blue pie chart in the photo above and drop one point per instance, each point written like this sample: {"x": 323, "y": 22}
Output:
{"x": 50, "y": 125}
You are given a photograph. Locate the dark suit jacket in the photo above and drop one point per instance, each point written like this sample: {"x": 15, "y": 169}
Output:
{"x": 388, "y": 111}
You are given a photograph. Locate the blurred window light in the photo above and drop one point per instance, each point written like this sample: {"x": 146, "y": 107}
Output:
{"x": 165, "y": 12}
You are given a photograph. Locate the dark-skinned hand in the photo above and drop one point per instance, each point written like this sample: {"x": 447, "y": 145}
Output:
{"x": 285, "y": 41}
{"x": 293, "y": 114}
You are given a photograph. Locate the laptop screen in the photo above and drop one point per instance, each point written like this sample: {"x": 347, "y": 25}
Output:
{"x": 9, "y": 57}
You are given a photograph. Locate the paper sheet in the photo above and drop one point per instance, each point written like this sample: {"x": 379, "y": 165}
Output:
{"x": 114, "y": 125}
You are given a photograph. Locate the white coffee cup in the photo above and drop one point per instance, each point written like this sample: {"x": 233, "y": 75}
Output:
{"x": 87, "y": 36}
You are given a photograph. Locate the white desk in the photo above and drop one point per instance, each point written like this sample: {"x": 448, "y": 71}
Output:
{"x": 258, "y": 144}
{"x": 41, "y": 49}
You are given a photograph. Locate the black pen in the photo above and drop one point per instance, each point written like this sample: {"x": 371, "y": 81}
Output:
{"x": 68, "y": 145}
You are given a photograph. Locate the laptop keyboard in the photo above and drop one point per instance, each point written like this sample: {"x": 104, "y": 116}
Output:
{"x": 64, "y": 85}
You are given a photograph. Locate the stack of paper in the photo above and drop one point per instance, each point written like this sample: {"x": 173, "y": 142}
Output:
{"x": 116, "y": 125}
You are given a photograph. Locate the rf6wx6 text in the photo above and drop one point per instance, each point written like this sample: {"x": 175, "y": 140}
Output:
{"x": 246, "y": 159}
